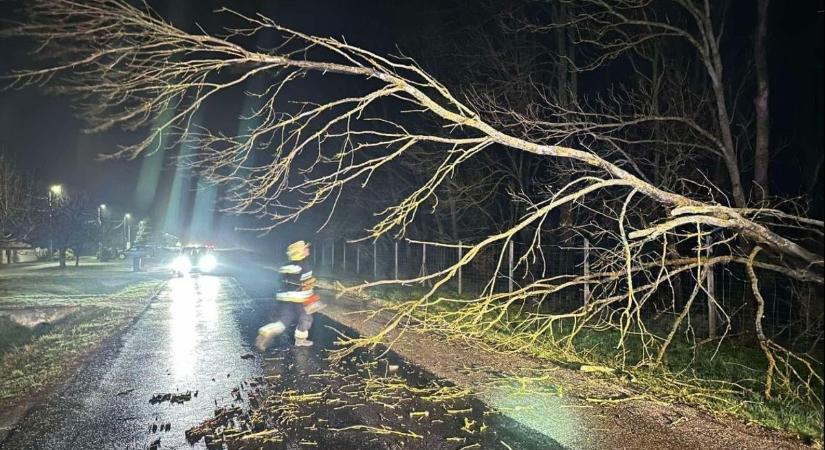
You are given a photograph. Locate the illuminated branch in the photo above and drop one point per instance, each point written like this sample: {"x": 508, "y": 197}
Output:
{"x": 129, "y": 68}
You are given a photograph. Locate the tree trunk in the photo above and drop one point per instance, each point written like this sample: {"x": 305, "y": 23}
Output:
{"x": 762, "y": 156}
{"x": 62, "y": 258}
{"x": 730, "y": 157}
{"x": 453, "y": 219}
{"x": 439, "y": 228}
{"x": 714, "y": 67}
{"x": 76, "y": 258}
{"x": 573, "y": 80}
{"x": 567, "y": 94}
{"x": 561, "y": 47}
{"x": 655, "y": 77}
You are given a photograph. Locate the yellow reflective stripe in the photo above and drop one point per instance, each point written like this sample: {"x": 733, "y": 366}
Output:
{"x": 292, "y": 268}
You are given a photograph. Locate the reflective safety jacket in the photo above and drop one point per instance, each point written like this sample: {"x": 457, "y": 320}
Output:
{"x": 297, "y": 283}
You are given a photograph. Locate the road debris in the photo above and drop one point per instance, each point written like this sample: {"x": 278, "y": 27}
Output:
{"x": 330, "y": 405}
{"x": 177, "y": 398}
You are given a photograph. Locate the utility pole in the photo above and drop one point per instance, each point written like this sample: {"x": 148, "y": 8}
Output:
{"x": 127, "y": 230}
{"x": 51, "y": 227}
{"x": 54, "y": 191}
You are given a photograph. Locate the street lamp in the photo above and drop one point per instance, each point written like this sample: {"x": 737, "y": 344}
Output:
{"x": 55, "y": 191}
{"x": 100, "y": 210}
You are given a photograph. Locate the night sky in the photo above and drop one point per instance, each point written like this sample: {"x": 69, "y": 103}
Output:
{"x": 41, "y": 133}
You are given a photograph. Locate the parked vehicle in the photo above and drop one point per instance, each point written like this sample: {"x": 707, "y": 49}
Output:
{"x": 194, "y": 259}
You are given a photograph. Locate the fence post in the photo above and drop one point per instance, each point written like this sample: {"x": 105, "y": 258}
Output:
{"x": 423, "y": 259}
{"x": 460, "y": 255}
{"x": 357, "y": 259}
{"x": 396, "y": 260}
{"x": 711, "y": 287}
{"x": 423, "y": 271}
{"x": 345, "y": 257}
{"x": 323, "y": 254}
{"x": 332, "y": 257}
{"x": 314, "y": 255}
{"x": 586, "y": 267}
{"x": 711, "y": 294}
{"x": 790, "y": 313}
{"x": 374, "y": 260}
{"x": 510, "y": 267}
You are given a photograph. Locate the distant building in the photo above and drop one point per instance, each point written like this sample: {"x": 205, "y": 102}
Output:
{"x": 16, "y": 251}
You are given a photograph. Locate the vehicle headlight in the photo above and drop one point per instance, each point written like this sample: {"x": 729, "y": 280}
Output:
{"x": 181, "y": 264}
{"x": 208, "y": 263}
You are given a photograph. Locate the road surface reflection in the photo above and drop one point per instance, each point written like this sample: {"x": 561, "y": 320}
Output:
{"x": 194, "y": 315}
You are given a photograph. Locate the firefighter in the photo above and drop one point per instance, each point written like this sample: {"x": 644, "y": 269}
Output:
{"x": 298, "y": 300}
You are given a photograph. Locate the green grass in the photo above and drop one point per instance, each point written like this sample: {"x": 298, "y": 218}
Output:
{"x": 40, "y": 358}
{"x": 708, "y": 375}
{"x": 19, "y": 281}
{"x": 728, "y": 380}
{"x": 94, "y": 302}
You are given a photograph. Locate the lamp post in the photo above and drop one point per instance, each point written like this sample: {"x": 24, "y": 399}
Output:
{"x": 55, "y": 191}
{"x": 100, "y": 210}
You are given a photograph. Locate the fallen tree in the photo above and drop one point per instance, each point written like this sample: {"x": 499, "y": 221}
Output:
{"x": 127, "y": 67}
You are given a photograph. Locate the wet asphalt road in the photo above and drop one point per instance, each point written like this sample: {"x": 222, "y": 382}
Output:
{"x": 197, "y": 337}
{"x": 185, "y": 339}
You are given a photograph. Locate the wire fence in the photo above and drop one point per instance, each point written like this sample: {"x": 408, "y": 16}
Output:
{"x": 793, "y": 313}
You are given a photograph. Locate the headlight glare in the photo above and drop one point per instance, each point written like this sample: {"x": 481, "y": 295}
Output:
{"x": 181, "y": 264}
{"x": 207, "y": 263}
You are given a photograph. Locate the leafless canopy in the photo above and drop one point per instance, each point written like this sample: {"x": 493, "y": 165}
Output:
{"x": 130, "y": 68}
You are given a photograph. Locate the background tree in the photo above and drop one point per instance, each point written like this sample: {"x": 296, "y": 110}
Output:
{"x": 145, "y": 233}
{"x": 21, "y": 214}
{"x": 649, "y": 105}
{"x": 74, "y": 225}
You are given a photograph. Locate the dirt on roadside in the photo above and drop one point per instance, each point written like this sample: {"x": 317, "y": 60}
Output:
{"x": 573, "y": 421}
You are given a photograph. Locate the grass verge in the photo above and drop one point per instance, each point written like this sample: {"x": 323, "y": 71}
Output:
{"x": 726, "y": 380}
{"x": 51, "y": 320}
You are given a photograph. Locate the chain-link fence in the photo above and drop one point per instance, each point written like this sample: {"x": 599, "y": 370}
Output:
{"x": 792, "y": 314}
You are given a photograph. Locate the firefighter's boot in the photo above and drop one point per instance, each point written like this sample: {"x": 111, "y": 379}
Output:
{"x": 268, "y": 333}
{"x": 301, "y": 339}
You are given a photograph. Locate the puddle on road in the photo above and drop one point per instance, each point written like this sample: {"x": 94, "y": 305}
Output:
{"x": 363, "y": 402}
